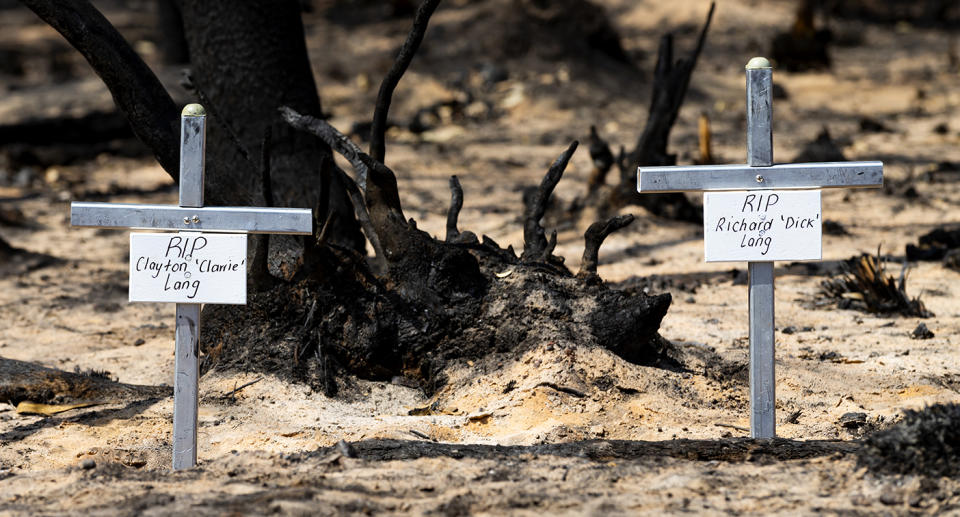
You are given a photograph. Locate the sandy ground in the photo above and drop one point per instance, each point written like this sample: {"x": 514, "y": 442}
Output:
{"x": 561, "y": 429}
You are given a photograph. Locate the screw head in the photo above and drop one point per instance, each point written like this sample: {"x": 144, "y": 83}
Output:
{"x": 186, "y": 220}
{"x": 196, "y": 219}
{"x": 759, "y": 178}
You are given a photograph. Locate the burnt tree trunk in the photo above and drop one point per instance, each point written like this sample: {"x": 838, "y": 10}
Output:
{"x": 248, "y": 59}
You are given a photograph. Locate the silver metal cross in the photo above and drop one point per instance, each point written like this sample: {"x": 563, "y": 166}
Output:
{"x": 190, "y": 216}
{"x": 759, "y": 173}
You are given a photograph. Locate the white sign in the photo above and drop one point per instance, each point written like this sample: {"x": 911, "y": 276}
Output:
{"x": 762, "y": 225}
{"x": 188, "y": 267}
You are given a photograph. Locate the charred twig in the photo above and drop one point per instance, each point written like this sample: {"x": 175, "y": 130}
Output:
{"x": 300, "y": 351}
{"x": 378, "y": 130}
{"x": 456, "y": 203}
{"x": 453, "y": 214}
{"x": 361, "y": 162}
{"x": 602, "y": 160}
{"x": 535, "y": 245}
{"x": 236, "y": 390}
{"x": 594, "y": 237}
{"x": 418, "y": 434}
{"x": 151, "y": 111}
{"x": 731, "y": 426}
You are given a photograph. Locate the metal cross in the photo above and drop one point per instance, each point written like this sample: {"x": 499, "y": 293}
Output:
{"x": 190, "y": 216}
{"x": 759, "y": 173}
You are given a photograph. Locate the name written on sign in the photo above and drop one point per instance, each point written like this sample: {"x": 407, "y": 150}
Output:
{"x": 762, "y": 225}
{"x": 188, "y": 268}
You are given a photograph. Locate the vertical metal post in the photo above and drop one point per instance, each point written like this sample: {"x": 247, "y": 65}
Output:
{"x": 760, "y": 154}
{"x": 186, "y": 379}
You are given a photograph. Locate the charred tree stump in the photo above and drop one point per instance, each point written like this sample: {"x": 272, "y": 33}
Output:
{"x": 670, "y": 83}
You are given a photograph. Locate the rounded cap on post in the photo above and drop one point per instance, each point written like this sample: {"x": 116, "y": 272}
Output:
{"x": 193, "y": 110}
{"x": 758, "y": 62}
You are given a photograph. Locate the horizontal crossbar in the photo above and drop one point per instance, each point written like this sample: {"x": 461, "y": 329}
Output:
{"x": 227, "y": 219}
{"x": 743, "y": 177}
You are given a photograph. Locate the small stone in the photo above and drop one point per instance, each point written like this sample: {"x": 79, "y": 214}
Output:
{"x": 691, "y": 299}
{"x": 138, "y": 342}
{"x": 830, "y": 355}
{"x": 88, "y": 464}
{"x": 921, "y": 332}
{"x": 853, "y": 420}
{"x": 788, "y": 330}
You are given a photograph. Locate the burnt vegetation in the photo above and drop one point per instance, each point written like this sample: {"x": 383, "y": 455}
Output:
{"x": 925, "y": 442}
{"x": 418, "y": 302}
{"x": 866, "y": 286}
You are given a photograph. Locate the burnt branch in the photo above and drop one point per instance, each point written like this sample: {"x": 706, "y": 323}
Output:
{"x": 361, "y": 162}
{"x": 378, "y": 130}
{"x": 594, "y": 237}
{"x": 535, "y": 245}
{"x": 360, "y": 209}
{"x": 456, "y": 203}
{"x": 382, "y": 197}
{"x": 138, "y": 93}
